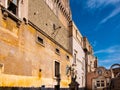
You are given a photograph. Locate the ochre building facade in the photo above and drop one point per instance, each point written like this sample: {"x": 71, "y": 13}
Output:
{"x": 34, "y": 46}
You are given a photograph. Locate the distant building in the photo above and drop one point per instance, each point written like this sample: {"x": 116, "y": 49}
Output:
{"x": 99, "y": 79}
{"x": 78, "y": 62}
{"x": 102, "y": 79}
{"x": 91, "y": 62}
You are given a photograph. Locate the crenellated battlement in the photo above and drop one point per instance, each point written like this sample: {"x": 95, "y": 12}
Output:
{"x": 64, "y": 7}
{"x": 60, "y": 7}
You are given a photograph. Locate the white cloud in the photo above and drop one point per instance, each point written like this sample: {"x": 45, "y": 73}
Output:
{"x": 94, "y": 4}
{"x": 104, "y": 61}
{"x": 112, "y": 14}
{"x": 109, "y": 60}
{"x": 112, "y": 49}
{"x": 115, "y": 12}
{"x": 112, "y": 57}
{"x": 111, "y": 2}
{"x": 100, "y": 4}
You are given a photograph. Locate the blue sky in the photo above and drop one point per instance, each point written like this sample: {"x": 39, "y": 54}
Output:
{"x": 99, "y": 21}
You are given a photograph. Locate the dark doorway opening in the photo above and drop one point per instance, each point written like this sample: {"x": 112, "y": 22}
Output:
{"x": 57, "y": 87}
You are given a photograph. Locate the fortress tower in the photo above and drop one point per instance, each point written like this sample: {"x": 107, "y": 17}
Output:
{"x": 61, "y": 9}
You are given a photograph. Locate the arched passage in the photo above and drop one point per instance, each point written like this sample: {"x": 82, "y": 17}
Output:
{"x": 112, "y": 67}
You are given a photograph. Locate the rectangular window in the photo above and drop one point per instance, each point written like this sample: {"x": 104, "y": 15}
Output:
{"x": 40, "y": 40}
{"x": 57, "y": 51}
{"x": 57, "y": 69}
{"x": 100, "y": 83}
{"x": 13, "y": 6}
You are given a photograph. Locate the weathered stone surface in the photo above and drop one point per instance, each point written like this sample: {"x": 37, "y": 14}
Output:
{"x": 23, "y": 57}
{"x": 40, "y": 14}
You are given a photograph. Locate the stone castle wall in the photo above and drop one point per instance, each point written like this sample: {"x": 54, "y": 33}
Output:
{"x": 42, "y": 16}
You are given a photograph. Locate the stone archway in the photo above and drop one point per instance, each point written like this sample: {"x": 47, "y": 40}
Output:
{"x": 112, "y": 67}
